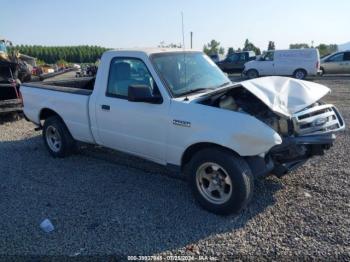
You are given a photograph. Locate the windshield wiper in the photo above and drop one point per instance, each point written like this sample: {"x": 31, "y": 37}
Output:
{"x": 225, "y": 84}
{"x": 197, "y": 90}
{"x": 201, "y": 90}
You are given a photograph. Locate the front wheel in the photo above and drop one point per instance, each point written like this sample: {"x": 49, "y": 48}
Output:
{"x": 252, "y": 73}
{"x": 322, "y": 71}
{"x": 221, "y": 182}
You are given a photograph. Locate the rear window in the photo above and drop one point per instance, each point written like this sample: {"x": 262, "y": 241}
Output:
{"x": 347, "y": 56}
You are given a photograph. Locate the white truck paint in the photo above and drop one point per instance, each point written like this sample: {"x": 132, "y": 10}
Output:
{"x": 255, "y": 119}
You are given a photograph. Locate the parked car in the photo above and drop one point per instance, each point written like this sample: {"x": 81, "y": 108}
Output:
{"x": 298, "y": 63}
{"x": 215, "y": 57}
{"x": 234, "y": 63}
{"x": 177, "y": 108}
{"x": 336, "y": 63}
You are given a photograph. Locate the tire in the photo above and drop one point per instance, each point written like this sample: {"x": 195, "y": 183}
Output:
{"x": 299, "y": 74}
{"x": 57, "y": 138}
{"x": 252, "y": 73}
{"x": 322, "y": 71}
{"x": 236, "y": 183}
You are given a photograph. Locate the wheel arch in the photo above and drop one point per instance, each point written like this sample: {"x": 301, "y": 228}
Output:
{"x": 194, "y": 148}
{"x": 253, "y": 69}
{"x": 323, "y": 70}
{"x": 300, "y": 68}
{"x": 45, "y": 113}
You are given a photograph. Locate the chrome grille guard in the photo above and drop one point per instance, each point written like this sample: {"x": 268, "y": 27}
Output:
{"x": 319, "y": 119}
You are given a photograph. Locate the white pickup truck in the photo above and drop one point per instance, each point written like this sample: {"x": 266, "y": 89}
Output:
{"x": 176, "y": 108}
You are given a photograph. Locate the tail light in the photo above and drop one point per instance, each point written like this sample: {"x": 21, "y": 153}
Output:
{"x": 317, "y": 64}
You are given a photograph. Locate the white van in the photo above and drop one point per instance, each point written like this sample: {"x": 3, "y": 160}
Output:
{"x": 298, "y": 63}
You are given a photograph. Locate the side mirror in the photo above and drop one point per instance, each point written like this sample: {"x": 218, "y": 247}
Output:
{"x": 142, "y": 93}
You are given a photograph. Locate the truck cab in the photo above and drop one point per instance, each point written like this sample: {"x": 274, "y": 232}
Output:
{"x": 234, "y": 63}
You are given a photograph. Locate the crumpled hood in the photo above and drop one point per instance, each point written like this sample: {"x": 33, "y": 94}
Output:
{"x": 284, "y": 95}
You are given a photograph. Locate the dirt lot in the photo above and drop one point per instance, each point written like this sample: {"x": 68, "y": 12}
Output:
{"x": 103, "y": 202}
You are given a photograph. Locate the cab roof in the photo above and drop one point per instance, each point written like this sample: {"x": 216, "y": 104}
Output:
{"x": 157, "y": 50}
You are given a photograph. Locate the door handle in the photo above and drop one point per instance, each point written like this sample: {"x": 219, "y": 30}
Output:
{"x": 105, "y": 107}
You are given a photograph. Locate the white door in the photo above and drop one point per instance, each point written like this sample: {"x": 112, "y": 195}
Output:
{"x": 267, "y": 64}
{"x": 133, "y": 127}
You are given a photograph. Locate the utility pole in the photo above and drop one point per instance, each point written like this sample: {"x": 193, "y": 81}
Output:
{"x": 183, "y": 30}
{"x": 191, "y": 38}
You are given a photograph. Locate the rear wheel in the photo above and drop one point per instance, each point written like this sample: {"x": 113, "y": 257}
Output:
{"x": 299, "y": 74}
{"x": 57, "y": 138}
{"x": 252, "y": 73}
{"x": 221, "y": 182}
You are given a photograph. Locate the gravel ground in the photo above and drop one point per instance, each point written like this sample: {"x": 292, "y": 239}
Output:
{"x": 103, "y": 202}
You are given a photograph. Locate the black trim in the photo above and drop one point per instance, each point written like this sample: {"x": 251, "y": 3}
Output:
{"x": 64, "y": 89}
{"x": 295, "y": 151}
{"x": 260, "y": 166}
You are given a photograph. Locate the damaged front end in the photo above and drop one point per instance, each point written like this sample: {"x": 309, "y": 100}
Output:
{"x": 314, "y": 129}
{"x": 294, "y": 110}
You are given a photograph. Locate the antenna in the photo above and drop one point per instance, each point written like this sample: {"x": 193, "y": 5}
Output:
{"x": 183, "y": 31}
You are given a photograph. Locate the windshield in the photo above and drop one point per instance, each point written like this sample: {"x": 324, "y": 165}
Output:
{"x": 266, "y": 56}
{"x": 186, "y": 73}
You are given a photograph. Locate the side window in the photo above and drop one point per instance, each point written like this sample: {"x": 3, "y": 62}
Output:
{"x": 242, "y": 57}
{"x": 124, "y": 72}
{"x": 233, "y": 58}
{"x": 336, "y": 58}
{"x": 269, "y": 56}
{"x": 347, "y": 56}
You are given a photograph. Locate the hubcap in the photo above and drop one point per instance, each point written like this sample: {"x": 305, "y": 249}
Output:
{"x": 299, "y": 75}
{"x": 252, "y": 74}
{"x": 214, "y": 183}
{"x": 53, "y": 139}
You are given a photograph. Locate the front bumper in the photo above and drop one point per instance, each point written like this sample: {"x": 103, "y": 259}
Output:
{"x": 295, "y": 151}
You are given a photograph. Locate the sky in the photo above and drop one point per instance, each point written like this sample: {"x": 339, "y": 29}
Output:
{"x": 145, "y": 23}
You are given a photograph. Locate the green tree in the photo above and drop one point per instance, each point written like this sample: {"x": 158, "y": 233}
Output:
{"x": 213, "y": 47}
{"x": 162, "y": 44}
{"x": 72, "y": 54}
{"x": 327, "y": 49}
{"x": 298, "y": 46}
{"x": 230, "y": 51}
{"x": 62, "y": 62}
{"x": 271, "y": 45}
{"x": 248, "y": 46}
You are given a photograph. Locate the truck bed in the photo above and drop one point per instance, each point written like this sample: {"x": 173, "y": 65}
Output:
{"x": 67, "y": 98}
{"x": 83, "y": 86}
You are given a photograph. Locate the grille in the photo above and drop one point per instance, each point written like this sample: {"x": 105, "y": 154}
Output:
{"x": 318, "y": 120}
